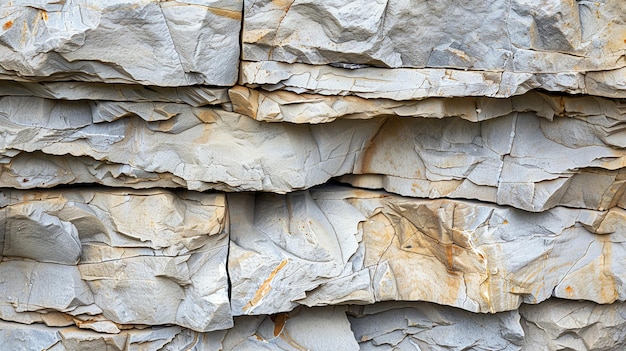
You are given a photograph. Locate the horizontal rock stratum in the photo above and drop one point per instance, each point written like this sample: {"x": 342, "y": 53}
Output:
{"x": 311, "y": 175}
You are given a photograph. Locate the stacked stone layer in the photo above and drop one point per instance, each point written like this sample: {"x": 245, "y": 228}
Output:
{"x": 306, "y": 175}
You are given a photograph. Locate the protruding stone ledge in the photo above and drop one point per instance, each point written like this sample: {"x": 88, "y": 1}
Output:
{"x": 286, "y": 106}
{"x": 107, "y": 259}
{"x": 163, "y": 43}
{"x": 519, "y": 159}
{"x": 419, "y": 83}
{"x": 514, "y": 36}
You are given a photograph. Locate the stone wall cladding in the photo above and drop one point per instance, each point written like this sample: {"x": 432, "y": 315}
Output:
{"x": 312, "y": 175}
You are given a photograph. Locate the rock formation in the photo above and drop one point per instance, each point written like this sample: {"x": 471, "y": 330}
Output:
{"x": 311, "y": 175}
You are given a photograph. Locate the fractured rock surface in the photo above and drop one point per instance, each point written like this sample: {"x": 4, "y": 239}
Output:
{"x": 337, "y": 245}
{"x": 169, "y": 43}
{"x": 519, "y": 36}
{"x": 105, "y": 259}
{"x": 518, "y": 159}
{"x": 401, "y": 175}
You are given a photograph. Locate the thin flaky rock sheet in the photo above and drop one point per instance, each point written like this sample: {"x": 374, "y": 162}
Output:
{"x": 192, "y": 95}
{"x": 339, "y": 245}
{"x": 518, "y": 159}
{"x": 149, "y": 42}
{"x": 106, "y": 259}
{"x": 420, "y": 83}
{"x": 286, "y": 106}
{"x": 528, "y": 36}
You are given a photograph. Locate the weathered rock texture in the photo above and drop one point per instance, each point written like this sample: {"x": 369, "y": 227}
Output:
{"x": 312, "y": 175}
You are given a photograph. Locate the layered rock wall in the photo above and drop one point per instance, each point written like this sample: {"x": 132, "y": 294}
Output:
{"x": 307, "y": 175}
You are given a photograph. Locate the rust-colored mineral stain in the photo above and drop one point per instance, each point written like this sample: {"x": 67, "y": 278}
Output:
{"x": 7, "y": 25}
{"x": 265, "y": 288}
{"x": 569, "y": 291}
{"x": 505, "y": 222}
{"x": 44, "y": 15}
{"x": 279, "y": 322}
{"x": 234, "y": 15}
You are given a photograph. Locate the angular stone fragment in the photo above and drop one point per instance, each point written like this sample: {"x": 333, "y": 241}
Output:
{"x": 171, "y": 43}
{"x": 529, "y": 36}
{"x": 573, "y": 325}
{"x": 102, "y": 259}
{"x": 424, "y": 326}
{"x": 419, "y": 83}
{"x": 337, "y": 246}
{"x": 519, "y": 159}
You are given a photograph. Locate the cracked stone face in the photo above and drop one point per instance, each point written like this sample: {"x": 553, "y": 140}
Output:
{"x": 178, "y": 42}
{"x": 340, "y": 246}
{"x": 106, "y": 259}
{"x": 312, "y": 175}
{"x": 524, "y": 159}
{"x": 519, "y": 36}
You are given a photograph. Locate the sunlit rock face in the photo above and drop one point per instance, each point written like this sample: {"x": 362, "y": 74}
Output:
{"x": 337, "y": 245}
{"x": 312, "y": 175}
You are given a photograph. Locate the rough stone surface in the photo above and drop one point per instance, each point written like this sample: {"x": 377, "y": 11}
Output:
{"x": 401, "y": 175}
{"x": 518, "y": 159}
{"x": 529, "y": 36}
{"x": 105, "y": 259}
{"x": 337, "y": 245}
{"x": 166, "y": 43}
{"x": 566, "y": 325}
{"x": 285, "y": 106}
{"x": 414, "y": 83}
{"x": 422, "y": 326}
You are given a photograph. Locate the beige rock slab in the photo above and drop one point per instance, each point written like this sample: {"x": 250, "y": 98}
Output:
{"x": 337, "y": 246}
{"x": 104, "y": 259}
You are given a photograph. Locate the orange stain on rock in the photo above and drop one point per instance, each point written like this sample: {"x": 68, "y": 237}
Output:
{"x": 279, "y": 322}
{"x": 569, "y": 291}
{"x": 7, "y": 25}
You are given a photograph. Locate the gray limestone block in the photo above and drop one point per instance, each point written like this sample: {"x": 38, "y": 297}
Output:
{"x": 426, "y": 326}
{"x": 171, "y": 43}
{"x": 420, "y": 83}
{"x": 20, "y": 337}
{"x": 105, "y": 259}
{"x": 519, "y": 159}
{"x": 192, "y": 95}
{"x": 339, "y": 246}
{"x": 573, "y": 325}
{"x": 528, "y": 36}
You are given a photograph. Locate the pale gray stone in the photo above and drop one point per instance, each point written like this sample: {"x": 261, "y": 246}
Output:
{"x": 303, "y": 329}
{"x": 420, "y": 83}
{"x": 108, "y": 258}
{"x": 528, "y": 36}
{"x": 574, "y": 325}
{"x": 164, "y": 43}
{"x": 340, "y": 245}
{"x": 285, "y": 106}
{"x": 425, "y": 326}
{"x": 20, "y": 337}
{"x": 519, "y": 159}
{"x": 192, "y": 95}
